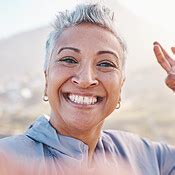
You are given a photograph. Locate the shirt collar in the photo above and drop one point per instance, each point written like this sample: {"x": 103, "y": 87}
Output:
{"x": 42, "y": 131}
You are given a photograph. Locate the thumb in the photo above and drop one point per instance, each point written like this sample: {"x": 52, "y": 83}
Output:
{"x": 173, "y": 50}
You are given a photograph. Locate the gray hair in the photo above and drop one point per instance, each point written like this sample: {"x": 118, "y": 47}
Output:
{"x": 83, "y": 13}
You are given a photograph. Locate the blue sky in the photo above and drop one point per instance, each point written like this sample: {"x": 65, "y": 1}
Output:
{"x": 21, "y": 15}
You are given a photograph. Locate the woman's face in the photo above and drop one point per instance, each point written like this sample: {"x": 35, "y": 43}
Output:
{"x": 84, "y": 79}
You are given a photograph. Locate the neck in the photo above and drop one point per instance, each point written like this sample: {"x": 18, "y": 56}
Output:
{"x": 90, "y": 136}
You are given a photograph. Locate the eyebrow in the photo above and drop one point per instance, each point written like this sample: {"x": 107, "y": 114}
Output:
{"x": 69, "y": 48}
{"x": 98, "y": 53}
{"x": 108, "y": 52}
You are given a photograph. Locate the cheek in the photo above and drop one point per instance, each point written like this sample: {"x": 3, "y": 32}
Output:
{"x": 112, "y": 85}
{"x": 113, "y": 88}
{"x": 114, "y": 91}
{"x": 56, "y": 79}
{"x": 112, "y": 82}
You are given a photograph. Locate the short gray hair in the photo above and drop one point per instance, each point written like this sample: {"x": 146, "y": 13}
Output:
{"x": 83, "y": 13}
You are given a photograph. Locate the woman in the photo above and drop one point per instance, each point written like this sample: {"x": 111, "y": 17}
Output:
{"x": 84, "y": 74}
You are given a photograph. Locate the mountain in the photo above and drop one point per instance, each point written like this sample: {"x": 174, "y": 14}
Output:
{"x": 23, "y": 53}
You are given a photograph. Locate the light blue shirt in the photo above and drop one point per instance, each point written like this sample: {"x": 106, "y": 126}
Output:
{"x": 41, "y": 142}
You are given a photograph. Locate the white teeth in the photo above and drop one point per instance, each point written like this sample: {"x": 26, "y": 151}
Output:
{"x": 82, "y": 99}
{"x": 75, "y": 98}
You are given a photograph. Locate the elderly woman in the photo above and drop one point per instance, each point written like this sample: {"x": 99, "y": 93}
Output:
{"x": 84, "y": 74}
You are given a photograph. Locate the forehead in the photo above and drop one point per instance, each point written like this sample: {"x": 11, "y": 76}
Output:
{"x": 89, "y": 37}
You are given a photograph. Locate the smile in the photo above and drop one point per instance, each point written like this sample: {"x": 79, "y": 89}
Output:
{"x": 83, "y": 100}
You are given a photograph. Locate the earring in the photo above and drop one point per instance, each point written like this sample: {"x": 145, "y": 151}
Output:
{"x": 118, "y": 105}
{"x": 45, "y": 98}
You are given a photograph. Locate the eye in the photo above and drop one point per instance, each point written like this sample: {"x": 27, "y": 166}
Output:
{"x": 68, "y": 60}
{"x": 106, "y": 64}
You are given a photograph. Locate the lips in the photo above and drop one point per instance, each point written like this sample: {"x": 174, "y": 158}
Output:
{"x": 82, "y": 99}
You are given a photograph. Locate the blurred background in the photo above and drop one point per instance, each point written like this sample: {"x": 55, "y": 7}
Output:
{"x": 147, "y": 107}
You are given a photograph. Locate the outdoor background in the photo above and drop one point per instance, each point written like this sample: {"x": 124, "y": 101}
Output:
{"x": 147, "y": 107}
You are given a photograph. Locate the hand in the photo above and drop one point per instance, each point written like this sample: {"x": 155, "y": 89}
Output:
{"x": 16, "y": 165}
{"x": 167, "y": 63}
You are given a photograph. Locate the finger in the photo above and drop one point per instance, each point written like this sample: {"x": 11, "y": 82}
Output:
{"x": 173, "y": 50}
{"x": 170, "y": 81}
{"x": 167, "y": 56}
{"x": 161, "y": 58}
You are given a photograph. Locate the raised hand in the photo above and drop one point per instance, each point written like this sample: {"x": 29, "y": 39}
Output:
{"x": 167, "y": 63}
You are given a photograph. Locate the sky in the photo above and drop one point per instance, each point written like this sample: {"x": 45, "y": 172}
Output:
{"x": 21, "y": 15}
{"x": 159, "y": 12}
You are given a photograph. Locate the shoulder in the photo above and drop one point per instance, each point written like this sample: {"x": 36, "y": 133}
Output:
{"x": 134, "y": 140}
{"x": 15, "y": 140}
{"x": 24, "y": 143}
{"x": 144, "y": 150}
{"x": 125, "y": 137}
{"x": 19, "y": 155}
{"x": 129, "y": 143}
{"x": 19, "y": 144}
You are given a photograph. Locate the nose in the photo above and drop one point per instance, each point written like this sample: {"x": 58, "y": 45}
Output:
{"x": 85, "y": 78}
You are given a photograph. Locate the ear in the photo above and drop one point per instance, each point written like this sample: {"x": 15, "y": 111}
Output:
{"x": 123, "y": 80}
{"x": 123, "y": 77}
{"x": 46, "y": 82}
{"x": 122, "y": 83}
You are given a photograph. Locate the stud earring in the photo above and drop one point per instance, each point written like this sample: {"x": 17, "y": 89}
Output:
{"x": 118, "y": 105}
{"x": 45, "y": 98}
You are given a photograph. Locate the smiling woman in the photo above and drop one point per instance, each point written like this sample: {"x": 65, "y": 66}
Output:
{"x": 81, "y": 96}
{"x": 84, "y": 75}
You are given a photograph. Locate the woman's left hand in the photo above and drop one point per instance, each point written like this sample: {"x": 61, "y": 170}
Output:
{"x": 167, "y": 63}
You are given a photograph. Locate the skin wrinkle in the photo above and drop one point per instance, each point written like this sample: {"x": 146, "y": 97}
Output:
{"x": 69, "y": 48}
{"x": 98, "y": 53}
{"x": 120, "y": 53}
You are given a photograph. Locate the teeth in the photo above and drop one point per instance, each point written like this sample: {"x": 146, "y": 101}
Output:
{"x": 82, "y": 99}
